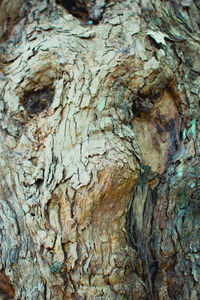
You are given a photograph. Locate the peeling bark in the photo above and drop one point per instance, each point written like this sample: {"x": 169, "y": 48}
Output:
{"x": 99, "y": 156}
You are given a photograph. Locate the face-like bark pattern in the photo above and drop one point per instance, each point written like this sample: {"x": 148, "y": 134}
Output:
{"x": 87, "y": 115}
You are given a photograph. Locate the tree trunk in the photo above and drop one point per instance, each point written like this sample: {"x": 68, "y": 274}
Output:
{"x": 99, "y": 156}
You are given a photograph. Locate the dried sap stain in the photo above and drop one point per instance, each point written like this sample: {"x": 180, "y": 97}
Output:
{"x": 36, "y": 101}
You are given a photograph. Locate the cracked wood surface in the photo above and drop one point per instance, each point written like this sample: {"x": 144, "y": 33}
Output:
{"x": 99, "y": 151}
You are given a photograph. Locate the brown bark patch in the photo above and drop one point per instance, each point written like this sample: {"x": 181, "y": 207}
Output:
{"x": 6, "y": 287}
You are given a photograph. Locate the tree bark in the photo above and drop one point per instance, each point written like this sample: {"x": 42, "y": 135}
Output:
{"x": 99, "y": 156}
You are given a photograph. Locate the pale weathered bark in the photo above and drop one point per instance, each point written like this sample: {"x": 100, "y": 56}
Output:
{"x": 99, "y": 156}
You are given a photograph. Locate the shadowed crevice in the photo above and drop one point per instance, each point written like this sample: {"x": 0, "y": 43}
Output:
{"x": 37, "y": 101}
{"x": 87, "y": 11}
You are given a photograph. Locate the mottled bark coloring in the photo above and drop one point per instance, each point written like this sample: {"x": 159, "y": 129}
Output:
{"x": 99, "y": 150}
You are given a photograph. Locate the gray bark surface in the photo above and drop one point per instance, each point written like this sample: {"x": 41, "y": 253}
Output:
{"x": 99, "y": 149}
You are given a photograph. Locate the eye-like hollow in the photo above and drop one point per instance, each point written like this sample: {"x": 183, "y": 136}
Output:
{"x": 36, "y": 101}
{"x": 84, "y": 10}
{"x": 76, "y": 8}
{"x": 145, "y": 103}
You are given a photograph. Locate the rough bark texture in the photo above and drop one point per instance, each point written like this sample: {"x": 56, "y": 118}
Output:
{"x": 99, "y": 149}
